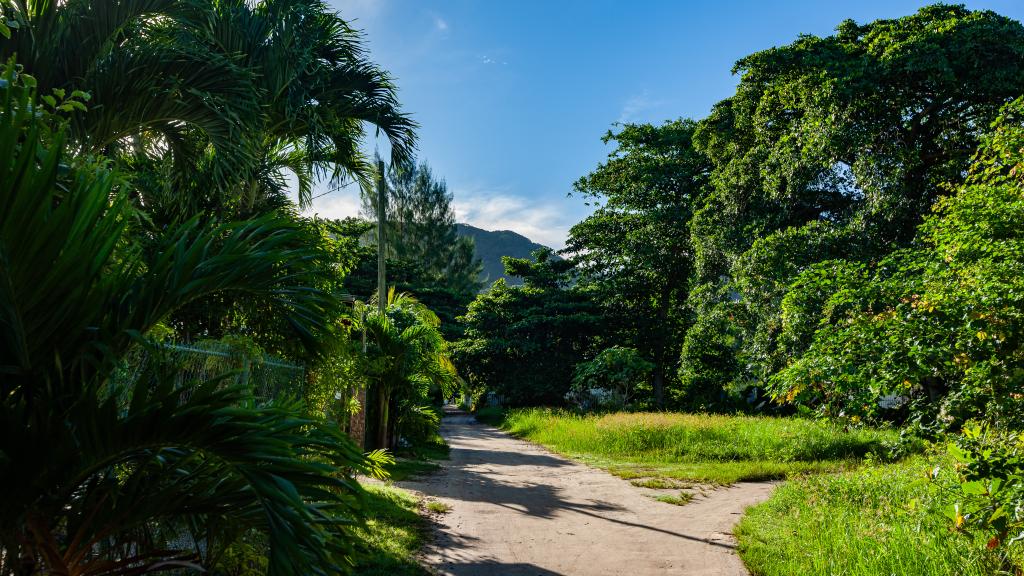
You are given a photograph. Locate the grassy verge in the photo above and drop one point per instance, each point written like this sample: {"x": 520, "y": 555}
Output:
{"x": 418, "y": 460}
{"x": 393, "y": 535}
{"x": 397, "y": 527}
{"x": 704, "y": 448}
{"x": 879, "y": 520}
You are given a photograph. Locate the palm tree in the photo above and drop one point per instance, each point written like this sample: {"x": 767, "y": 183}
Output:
{"x": 103, "y": 476}
{"x": 266, "y": 85}
{"x": 406, "y": 355}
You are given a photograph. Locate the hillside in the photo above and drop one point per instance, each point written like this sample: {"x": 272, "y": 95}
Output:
{"x": 492, "y": 245}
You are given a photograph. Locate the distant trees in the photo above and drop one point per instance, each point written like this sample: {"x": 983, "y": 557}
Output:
{"x": 522, "y": 342}
{"x": 426, "y": 255}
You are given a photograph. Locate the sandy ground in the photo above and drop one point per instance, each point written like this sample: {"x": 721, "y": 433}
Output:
{"x": 517, "y": 509}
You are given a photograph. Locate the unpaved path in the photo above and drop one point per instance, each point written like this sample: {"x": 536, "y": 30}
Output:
{"x": 517, "y": 509}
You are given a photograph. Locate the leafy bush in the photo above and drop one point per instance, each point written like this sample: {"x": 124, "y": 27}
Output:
{"x": 940, "y": 325}
{"x": 610, "y": 379}
{"x": 417, "y": 424}
{"x": 988, "y": 498}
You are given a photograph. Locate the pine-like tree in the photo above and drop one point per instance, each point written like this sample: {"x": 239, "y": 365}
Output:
{"x": 420, "y": 229}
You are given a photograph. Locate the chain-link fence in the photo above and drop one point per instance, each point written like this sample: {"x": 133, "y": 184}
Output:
{"x": 268, "y": 377}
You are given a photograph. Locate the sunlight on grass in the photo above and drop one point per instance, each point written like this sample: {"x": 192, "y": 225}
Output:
{"x": 418, "y": 460}
{"x": 876, "y": 520}
{"x": 714, "y": 449}
{"x": 392, "y": 535}
{"x": 681, "y": 499}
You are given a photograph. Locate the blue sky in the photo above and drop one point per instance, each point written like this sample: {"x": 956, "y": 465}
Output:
{"x": 513, "y": 96}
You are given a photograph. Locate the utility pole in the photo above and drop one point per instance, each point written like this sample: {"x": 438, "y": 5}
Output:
{"x": 359, "y": 421}
{"x": 382, "y": 203}
{"x": 382, "y": 424}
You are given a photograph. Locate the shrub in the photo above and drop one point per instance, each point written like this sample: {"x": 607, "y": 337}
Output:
{"x": 610, "y": 379}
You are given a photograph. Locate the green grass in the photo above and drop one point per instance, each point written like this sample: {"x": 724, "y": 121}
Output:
{"x": 881, "y": 520}
{"x": 490, "y": 415}
{"x": 436, "y": 507}
{"x": 659, "y": 483}
{"x": 418, "y": 460}
{"x": 397, "y": 527}
{"x": 393, "y": 535}
{"x": 706, "y": 448}
{"x": 681, "y": 499}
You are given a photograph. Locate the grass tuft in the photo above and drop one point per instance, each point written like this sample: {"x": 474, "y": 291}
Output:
{"x": 682, "y": 499}
{"x": 436, "y": 507}
{"x": 659, "y": 483}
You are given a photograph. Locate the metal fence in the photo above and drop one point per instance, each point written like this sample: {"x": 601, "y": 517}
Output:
{"x": 268, "y": 377}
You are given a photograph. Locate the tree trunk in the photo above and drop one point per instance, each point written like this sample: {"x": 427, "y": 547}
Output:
{"x": 382, "y": 422}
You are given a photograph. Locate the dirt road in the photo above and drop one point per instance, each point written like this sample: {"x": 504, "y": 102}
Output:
{"x": 517, "y": 509}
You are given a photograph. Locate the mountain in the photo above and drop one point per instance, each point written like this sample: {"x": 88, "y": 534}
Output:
{"x": 492, "y": 245}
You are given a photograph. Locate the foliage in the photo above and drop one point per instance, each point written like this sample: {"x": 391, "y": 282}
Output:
{"x": 405, "y": 357}
{"x": 834, "y": 149}
{"x": 708, "y": 365}
{"x": 700, "y": 447}
{"x": 633, "y": 252}
{"x": 616, "y": 373}
{"x": 988, "y": 499}
{"x": 82, "y": 454}
{"x": 420, "y": 228}
{"x": 871, "y": 521}
{"x": 393, "y": 535}
{"x": 522, "y": 341}
{"x": 210, "y": 103}
{"x": 940, "y": 323}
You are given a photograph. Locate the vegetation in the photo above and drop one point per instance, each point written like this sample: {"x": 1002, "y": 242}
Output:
{"x": 827, "y": 271}
{"x": 393, "y": 535}
{"x": 405, "y": 357}
{"x": 147, "y": 149}
{"x": 701, "y": 448}
{"x": 84, "y": 453}
{"x": 523, "y": 342}
{"x": 875, "y": 520}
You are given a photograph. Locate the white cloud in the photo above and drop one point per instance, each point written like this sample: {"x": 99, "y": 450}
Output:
{"x": 337, "y": 204}
{"x": 543, "y": 221}
{"x": 440, "y": 23}
{"x": 636, "y": 106}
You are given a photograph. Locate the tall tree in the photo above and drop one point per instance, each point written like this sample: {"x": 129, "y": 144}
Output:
{"x": 835, "y": 148}
{"x": 634, "y": 251}
{"x": 221, "y": 97}
{"x": 523, "y": 341}
{"x": 940, "y": 323}
{"x": 82, "y": 453}
{"x": 420, "y": 229}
